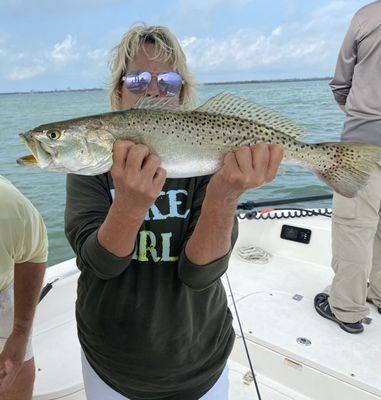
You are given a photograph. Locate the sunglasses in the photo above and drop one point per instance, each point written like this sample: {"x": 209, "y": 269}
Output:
{"x": 168, "y": 83}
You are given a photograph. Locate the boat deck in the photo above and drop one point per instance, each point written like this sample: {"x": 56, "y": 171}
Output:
{"x": 275, "y": 304}
{"x": 296, "y": 353}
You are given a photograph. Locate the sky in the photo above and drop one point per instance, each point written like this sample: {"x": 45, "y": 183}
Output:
{"x": 61, "y": 44}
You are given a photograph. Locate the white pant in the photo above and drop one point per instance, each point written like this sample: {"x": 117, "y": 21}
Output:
{"x": 96, "y": 389}
{"x": 6, "y": 320}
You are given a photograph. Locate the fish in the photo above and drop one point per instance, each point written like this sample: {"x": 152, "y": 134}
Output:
{"x": 193, "y": 142}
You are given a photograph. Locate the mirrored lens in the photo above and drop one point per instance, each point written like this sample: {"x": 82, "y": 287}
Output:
{"x": 138, "y": 82}
{"x": 169, "y": 83}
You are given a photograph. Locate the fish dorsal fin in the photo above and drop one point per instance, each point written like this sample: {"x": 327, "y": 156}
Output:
{"x": 234, "y": 106}
{"x": 158, "y": 103}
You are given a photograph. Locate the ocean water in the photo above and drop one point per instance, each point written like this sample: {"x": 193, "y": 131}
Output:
{"x": 308, "y": 103}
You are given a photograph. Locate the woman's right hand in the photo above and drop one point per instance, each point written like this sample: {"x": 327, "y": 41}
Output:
{"x": 137, "y": 175}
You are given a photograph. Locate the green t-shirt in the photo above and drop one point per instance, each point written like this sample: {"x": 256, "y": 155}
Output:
{"x": 23, "y": 234}
{"x": 153, "y": 325}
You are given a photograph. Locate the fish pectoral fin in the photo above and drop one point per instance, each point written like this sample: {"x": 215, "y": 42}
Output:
{"x": 158, "y": 103}
{"x": 234, "y": 106}
{"x": 28, "y": 161}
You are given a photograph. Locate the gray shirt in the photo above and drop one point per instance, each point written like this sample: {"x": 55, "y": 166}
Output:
{"x": 357, "y": 80}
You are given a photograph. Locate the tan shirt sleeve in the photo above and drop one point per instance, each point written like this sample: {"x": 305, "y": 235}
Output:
{"x": 342, "y": 80}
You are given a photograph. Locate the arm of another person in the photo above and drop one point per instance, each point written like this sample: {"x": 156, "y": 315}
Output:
{"x": 207, "y": 251}
{"x": 28, "y": 282}
{"x": 347, "y": 59}
{"x": 30, "y": 245}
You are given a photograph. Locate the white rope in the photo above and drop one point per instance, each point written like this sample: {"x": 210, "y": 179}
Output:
{"x": 254, "y": 254}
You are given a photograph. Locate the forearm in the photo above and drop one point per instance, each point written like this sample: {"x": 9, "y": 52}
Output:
{"x": 206, "y": 256}
{"x": 342, "y": 107}
{"x": 27, "y": 287}
{"x": 212, "y": 236}
{"x": 92, "y": 226}
{"x": 103, "y": 245}
{"x": 118, "y": 232}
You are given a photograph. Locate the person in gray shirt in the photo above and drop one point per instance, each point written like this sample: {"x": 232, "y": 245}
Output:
{"x": 356, "y": 222}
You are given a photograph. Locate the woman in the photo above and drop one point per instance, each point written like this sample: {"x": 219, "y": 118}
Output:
{"x": 152, "y": 313}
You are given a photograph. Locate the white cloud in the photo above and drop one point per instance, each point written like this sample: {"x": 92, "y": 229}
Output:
{"x": 246, "y": 50}
{"x": 336, "y": 8}
{"x": 334, "y": 15}
{"x": 293, "y": 47}
{"x": 280, "y": 49}
{"x": 21, "y": 73}
{"x": 65, "y": 55}
{"x": 64, "y": 51}
{"x": 188, "y": 41}
{"x": 98, "y": 54}
{"x": 277, "y": 31}
{"x": 16, "y": 65}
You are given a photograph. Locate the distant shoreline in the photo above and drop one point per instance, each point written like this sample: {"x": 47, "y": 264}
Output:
{"x": 55, "y": 91}
{"x": 201, "y": 84}
{"x": 327, "y": 78}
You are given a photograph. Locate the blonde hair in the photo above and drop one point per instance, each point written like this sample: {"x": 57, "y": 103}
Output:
{"x": 167, "y": 48}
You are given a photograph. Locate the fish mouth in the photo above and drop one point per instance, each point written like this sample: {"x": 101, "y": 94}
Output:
{"x": 27, "y": 161}
{"x": 40, "y": 156}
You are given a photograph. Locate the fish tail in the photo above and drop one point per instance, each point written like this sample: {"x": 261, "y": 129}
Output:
{"x": 345, "y": 167}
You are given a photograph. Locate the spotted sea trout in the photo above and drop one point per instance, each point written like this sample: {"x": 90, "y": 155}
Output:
{"x": 194, "y": 142}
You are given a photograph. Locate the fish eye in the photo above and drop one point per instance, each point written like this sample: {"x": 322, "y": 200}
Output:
{"x": 53, "y": 135}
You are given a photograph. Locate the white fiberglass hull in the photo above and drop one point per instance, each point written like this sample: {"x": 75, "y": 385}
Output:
{"x": 275, "y": 305}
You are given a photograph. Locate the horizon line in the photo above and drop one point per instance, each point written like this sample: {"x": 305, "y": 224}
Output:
{"x": 245, "y": 82}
